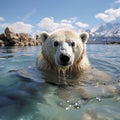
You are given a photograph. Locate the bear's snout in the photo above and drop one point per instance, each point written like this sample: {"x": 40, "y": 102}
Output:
{"x": 64, "y": 59}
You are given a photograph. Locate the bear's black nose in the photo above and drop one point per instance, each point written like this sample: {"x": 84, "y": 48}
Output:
{"x": 64, "y": 59}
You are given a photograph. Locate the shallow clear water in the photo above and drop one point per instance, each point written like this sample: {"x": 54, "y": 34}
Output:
{"x": 24, "y": 94}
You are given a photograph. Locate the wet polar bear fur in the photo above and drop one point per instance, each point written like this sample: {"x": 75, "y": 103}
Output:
{"x": 63, "y": 50}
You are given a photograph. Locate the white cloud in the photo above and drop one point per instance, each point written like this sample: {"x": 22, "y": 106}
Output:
{"x": 18, "y": 27}
{"x": 109, "y": 15}
{"x": 71, "y": 20}
{"x": 49, "y": 24}
{"x": 105, "y": 17}
{"x": 2, "y": 19}
{"x": 117, "y": 1}
{"x": 82, "y": 25}
{"x": 65, "y": 26}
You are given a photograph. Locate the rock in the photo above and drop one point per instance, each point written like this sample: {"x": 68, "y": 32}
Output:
{"x": 2, "y": 43}
{"x": 9, "y": 33}
{"x": 8, "y": 30}
{"x": 16, "y": 37}
{"x": 25, "y": 43}
{"x": 6, "y": 43}
{"x": 23, "y": 37}
{"x": 10, "y": 38}
{"x": 21, "y": 44}
{"x": 38, "y": 39}
{"x": 3, "y": 36}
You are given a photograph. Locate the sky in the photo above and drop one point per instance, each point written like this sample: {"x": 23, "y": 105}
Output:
{"x": 34, "y": 16}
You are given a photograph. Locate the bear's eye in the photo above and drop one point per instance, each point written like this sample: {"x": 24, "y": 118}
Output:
{"x": 56, "y": 43}
{"x": 73, "y": 44}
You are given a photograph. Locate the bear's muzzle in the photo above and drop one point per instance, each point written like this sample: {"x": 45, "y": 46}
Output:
{"x": 64, "y": 60}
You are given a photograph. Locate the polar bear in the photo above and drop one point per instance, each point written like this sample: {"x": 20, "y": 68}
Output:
{"x": 63, "y": 50}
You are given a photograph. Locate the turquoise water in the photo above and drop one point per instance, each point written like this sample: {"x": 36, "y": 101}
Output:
{"x": 24, "y": 94}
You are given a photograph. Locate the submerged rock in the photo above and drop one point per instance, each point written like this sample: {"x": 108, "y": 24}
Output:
{"x": 10, "y": 38}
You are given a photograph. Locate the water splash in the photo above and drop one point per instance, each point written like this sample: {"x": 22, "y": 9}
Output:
{"x": 76, "y": 105}
{"x": 98, "y": 99}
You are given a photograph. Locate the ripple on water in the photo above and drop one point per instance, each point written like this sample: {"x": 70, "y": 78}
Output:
{"x": 24, "y": 94}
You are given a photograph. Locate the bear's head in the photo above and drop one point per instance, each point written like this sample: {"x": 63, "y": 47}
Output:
{"x": 64, "y": 48}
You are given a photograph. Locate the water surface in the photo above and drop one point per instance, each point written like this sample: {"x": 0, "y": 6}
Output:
{"x": 24, "y": 94}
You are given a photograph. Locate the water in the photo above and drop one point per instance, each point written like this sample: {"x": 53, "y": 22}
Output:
{"x": 24, "y": 94}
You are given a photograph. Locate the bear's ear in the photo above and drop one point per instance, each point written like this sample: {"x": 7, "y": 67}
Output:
{"x": 84, "y": 37}
{"x": 44, "y": 36}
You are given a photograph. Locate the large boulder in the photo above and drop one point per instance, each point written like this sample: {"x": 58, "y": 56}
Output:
{"x": 8, "y": 30}
{"x": 2, "y": 43}
{"x": 9, "y": 33}
{"x": 3, "y": 36}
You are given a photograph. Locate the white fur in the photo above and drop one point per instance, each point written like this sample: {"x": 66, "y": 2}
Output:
{"x": 49, "y": 55}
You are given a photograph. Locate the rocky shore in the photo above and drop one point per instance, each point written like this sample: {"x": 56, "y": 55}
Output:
{"x": 10, "y": 38}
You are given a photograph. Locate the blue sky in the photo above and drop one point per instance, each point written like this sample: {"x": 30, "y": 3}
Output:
{"x": 33, "y": 16}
